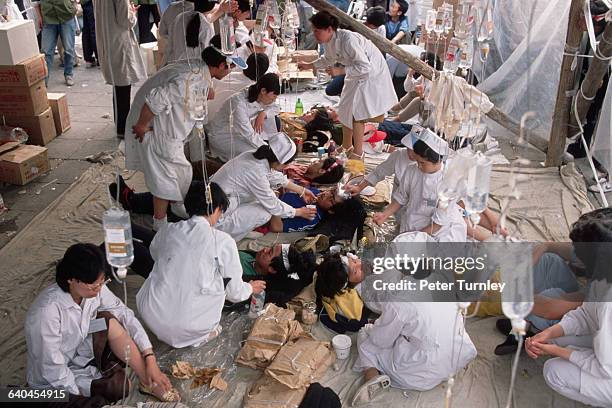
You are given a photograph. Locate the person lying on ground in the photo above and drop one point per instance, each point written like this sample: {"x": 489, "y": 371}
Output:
{"x": 285, "y": 270}
{"x": 77, "y": 333}
{"x": 338, "y": 297}
{"x": 182, "y": 299}
{"x": 581, "y": 342}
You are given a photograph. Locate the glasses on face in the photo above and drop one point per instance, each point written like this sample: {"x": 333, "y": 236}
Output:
{"x": 96, "y": 286}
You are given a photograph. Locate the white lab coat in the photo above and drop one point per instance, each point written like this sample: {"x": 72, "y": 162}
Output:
{"x": 592, "y": 366}
{"x": 182, "y": 299}
{"x": 413, "y": 342}
{"x": 252, "y": 201}
{"x": 418, "y": 195}
{"x": 161, "y": 156}
{"x": 59, "y": 343}
{"x": 241, "y": 33}
{"x": 225, "y": 143}
{"x": 167, "y": 19}
{"x": 10, "y": 9}
{"x": 395, "y": 165}
{"x": 177, "y": 48}
{"x": 368, "y": 89}
{"x": 117, "y": 45}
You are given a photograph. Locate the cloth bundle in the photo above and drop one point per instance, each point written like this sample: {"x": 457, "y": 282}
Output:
{"x": 301, "y": 361}
{"x": 270, "y": 332}
{"x": 455, "y": 101}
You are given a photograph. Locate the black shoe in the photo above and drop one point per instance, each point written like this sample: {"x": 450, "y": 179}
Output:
{"x": 125, "y": 193}
{"x": 504, "y": 326}
{"x": 507, "y": 347}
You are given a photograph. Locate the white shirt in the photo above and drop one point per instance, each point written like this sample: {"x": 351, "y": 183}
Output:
{"x": 225, "y": 144}
{"x": 164, "y": 93}
{"x": 58, "y": 339}
{"x": 241, "y": 33}
{"x": 167, "y": 19}
{"x": 382, "y": 30}
{"x": 246, "y": 180}
{"x": 368, "y": 89}
{"x": 418, "y": 195}
{"x": 396, "y": 164}
{"x": 182, "y": 299}
{"x": 177, "y": 48}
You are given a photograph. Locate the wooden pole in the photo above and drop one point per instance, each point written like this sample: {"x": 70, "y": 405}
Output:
{"x": 561, "y": 115}
{"x": 419, "y": 66}
{"x": 594, "y": 76}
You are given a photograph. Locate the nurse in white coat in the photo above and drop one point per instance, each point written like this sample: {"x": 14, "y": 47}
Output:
{"x": 248, "y": 179}
{"x": 161, "y": 122}
{"x": 417, "y": 197}
{"x": 245, "y": 120}
{"x": 119, "y": 53}
{"x": 368, "y": 91}
{"x": 182, "y": 299}
{"x": 190, "y": 33}
{"x": 74, "y": 320}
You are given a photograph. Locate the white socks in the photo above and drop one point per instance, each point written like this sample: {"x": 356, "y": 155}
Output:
{"x": 179, "y": 210}
{"x": 158, "y": 224}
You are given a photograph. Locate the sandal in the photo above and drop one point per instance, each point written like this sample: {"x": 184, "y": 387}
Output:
{"x": 368, "y": 391}
{"x": 171, "y": 395}
{"x": 605, "y": 186}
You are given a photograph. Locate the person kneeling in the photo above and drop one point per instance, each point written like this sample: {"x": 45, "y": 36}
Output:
{"x": 182, "y": 299}
{"x": 78, "y": 334}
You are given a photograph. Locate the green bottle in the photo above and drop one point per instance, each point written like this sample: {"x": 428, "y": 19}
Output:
{"x": 299, "y": 107}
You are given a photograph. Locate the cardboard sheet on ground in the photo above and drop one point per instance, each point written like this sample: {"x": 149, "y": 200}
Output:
{"x": 28, "y": 266}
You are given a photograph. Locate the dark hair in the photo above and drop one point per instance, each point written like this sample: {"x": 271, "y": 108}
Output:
{"x": 244, "y": 5}
{"x": 270, "y": 82}
{"x": 321, "y": 120}
{"x": 212, "y": 57}
{"x": 591, "y": 235}
{"x": 432, "y": 59}
{"x": 331, "y": 176}
{"x": 84, "y": 262}
{"x": 195, "y": 200}
{"x": 332, "y": 277}
{"x": 192, "y": 31}
{"x": 323, "y": 20}
{"x": 204, "y": 6}
{"x": 426, "y": 152}
{"x": 215, "y": 41}
{"x": 403, "y": 6}
{"x": 258, "y": 64}
{"x": 302, "y": 263}
{"x": 376, "y": 16}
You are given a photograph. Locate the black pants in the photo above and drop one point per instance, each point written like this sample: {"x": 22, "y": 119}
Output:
{"x": 89, "y": 33}
{"x": 142, "y": 203}
{"x": 144, "y": 26}
{"x": 121, "y": 106}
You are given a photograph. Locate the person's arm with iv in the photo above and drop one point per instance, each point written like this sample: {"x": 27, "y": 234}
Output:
{"x": 398, "y": 200}
{"x": 225, "y": 6}
{"x": 303, "y": 192}
{"x": 272, "y": 204}
{"x": 46, "y": 343}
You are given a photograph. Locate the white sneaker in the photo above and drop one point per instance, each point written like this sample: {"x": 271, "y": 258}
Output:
{"x": 368, "y": 391}
{"x": 69, "y": 80}
{"x": 605, "y": 185}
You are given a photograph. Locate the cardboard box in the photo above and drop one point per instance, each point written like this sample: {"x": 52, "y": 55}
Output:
{"x": 40, "y": 128}
{"x": 306, "y": 56}
{"x": 61, "y": 114}
{"x": 24, "y": 101}
{"x": 27, "y": 73}
{"x": 20, "y": 164}
{"x": 17, "y": 42}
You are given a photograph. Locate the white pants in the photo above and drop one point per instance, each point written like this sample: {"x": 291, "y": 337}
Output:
{"x": 566, "y": 378}
{"x": 238, "y": 221}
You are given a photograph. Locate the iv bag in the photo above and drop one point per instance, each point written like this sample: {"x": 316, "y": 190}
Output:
{"x": 485, "y": 24}
{"x": 274, "y": 17}
{"x": 228, "y": 40}
{"x": 467, "y": 54}
{"x": 430, "y": 20}
{"x": 197, "y": 100}
{"x": 478, "y": 184}
{"x": 292, "y": 11}
{"x": 118, "y": 239}
{"x": 452, "y": 186}
{"x": 448, "y": 17}
{"x": 439, "y": 25}
{"x": 516, "y": 271}
{"x": 451, "y": 58}
{"x": 261, "y": 18}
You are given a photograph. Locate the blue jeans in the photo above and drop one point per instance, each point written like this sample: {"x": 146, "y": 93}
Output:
{"x": 66, "y": 31}
{"x": 334, "y": 88}
{"x": 552, "y": 277}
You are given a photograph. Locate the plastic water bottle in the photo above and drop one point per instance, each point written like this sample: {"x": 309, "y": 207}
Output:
{"x": 118, "y": 240}
{"x": 257, "y": 304}
{"x": 299, "y": 107}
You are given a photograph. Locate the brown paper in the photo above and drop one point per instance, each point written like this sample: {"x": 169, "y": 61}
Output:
{"x": 268, "y": 393}
{"x": 301, "y": 361}
{"x": 270, "y": 331}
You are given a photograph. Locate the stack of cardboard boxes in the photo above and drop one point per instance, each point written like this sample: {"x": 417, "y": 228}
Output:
{"x": 24, "y": 103}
